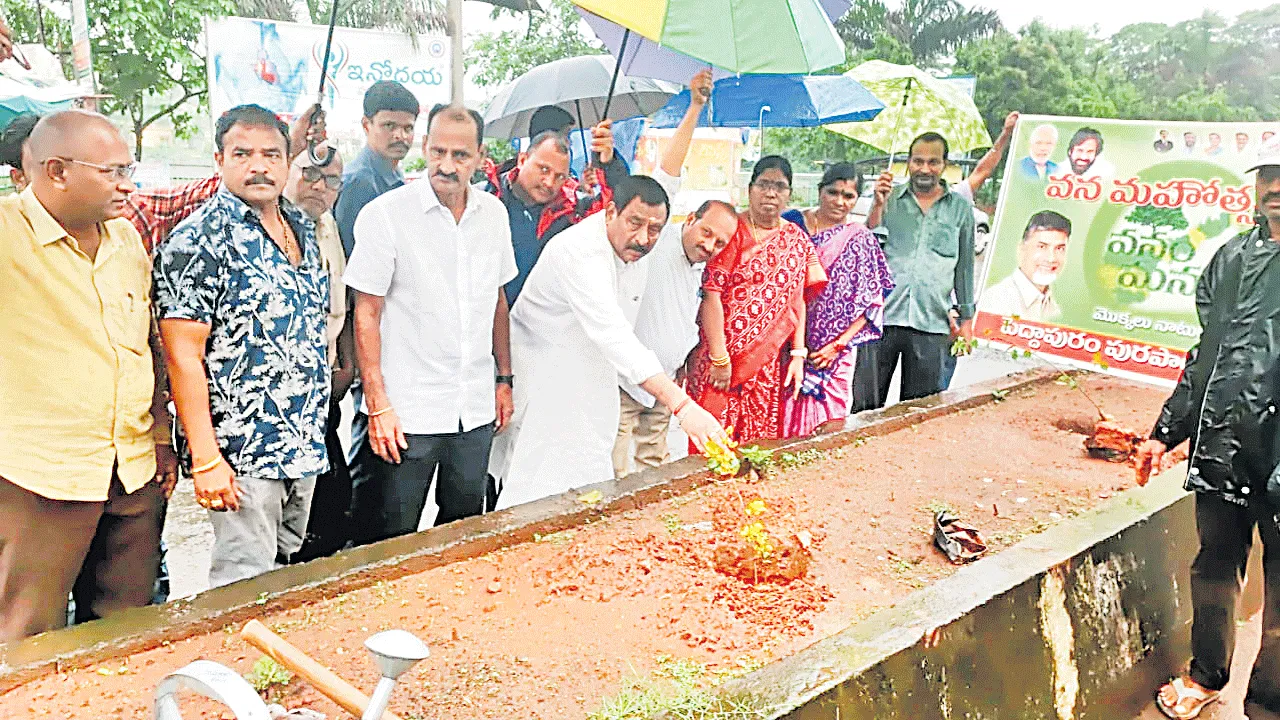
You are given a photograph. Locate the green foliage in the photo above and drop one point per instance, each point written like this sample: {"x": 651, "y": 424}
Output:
{"x": 760, "y": 458}
{"x": 552, "y": 34}
{"x": 680, "y": 690}
{"x": 918, "y": 32}
{"x": 1158, "y": 217}
{"x": 788, "y": 460}
{"x": 267, "y": 675}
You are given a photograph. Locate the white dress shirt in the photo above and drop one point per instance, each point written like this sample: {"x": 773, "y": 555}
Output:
{"x": 570, "y": 341}
{"x": 667, "y": 319}
{"x": 441, "y": 280}
{"x": 1017, "y": 296}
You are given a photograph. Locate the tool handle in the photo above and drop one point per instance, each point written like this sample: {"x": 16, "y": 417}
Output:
{"x": 320, "y": 677}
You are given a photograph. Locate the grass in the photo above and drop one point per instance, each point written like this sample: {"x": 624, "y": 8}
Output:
{"x": 936, "y": 506}
{"x": 788, "y": 460}
{"x": 268, "y": 675}
{"x": 680, "y": 689}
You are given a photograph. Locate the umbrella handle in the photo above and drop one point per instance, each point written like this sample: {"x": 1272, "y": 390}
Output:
{"x": 586, "y": 152}
{"x": 617, "y": 70}
{"x": 893, "y": 139}
{"x": 324, "y": 74}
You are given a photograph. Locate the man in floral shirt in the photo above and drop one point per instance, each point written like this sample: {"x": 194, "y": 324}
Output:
{"x": 240, "y": 289}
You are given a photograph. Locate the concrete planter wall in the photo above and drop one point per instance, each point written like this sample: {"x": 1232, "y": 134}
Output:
{"x": 1068, "y": 624}
{"x": 1080, "y": 622}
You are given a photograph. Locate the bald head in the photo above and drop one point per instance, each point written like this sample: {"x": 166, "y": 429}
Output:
{"x": 81, "y": 168}
{"x": 67, "y": 133}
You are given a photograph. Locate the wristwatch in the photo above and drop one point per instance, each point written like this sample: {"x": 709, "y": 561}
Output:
{"x": 508, "y": 380}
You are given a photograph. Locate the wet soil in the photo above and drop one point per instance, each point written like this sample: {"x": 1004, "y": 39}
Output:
{"x": 547, "y": 629}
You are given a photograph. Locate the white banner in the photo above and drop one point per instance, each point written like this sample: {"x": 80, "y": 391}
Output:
{"x": 278, "y": 64}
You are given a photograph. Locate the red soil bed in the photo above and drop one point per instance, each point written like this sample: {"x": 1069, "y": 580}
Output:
{"x": 547, "y": 629}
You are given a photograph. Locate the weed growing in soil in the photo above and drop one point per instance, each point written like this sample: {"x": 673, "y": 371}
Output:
{"x": 564, "y": 537}
{"x": 936, "y": 506}
{"x": 268, "y": 676}
{"x": 760, "y": 459}
{"x": 679, "y": 689}
{"x": 671, "y": 522}
{"x": 787, "y": 460}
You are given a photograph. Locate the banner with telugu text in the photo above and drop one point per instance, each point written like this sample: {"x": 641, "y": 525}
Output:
{"x": 278, "y": 65}
{"x": 1102, "y": 231}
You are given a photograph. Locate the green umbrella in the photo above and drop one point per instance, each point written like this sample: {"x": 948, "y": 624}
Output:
{"x": 915, "y": 103}
{"x": 766, "y": 36}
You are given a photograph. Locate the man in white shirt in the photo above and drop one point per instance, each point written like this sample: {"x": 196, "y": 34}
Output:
{"x": 571, "y": 342}
{"x": 670, "y": 278}
{"x": 429, "y": 265}
{"x": 1026, "y": 293}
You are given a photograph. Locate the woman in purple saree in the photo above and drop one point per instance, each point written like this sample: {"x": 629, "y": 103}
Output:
{"x": 848, "y": 312}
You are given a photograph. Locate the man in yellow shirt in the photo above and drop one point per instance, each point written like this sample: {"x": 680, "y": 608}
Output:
{"x": 81, "y": 492}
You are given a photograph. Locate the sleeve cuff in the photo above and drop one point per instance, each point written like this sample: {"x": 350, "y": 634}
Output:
{"x": 966, "y": 310}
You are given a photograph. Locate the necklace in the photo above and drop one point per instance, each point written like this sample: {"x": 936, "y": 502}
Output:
{"x": 291, "y": 249}
{"x": 751, "y": 225}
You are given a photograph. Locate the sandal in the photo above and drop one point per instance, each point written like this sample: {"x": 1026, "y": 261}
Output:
{"x": 1191, "y": 700}
{"x": 962, "y": 543}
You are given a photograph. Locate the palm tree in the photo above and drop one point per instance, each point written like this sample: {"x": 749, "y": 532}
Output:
{"x": 929, "y": 28}
{"x": 408, "y": 16}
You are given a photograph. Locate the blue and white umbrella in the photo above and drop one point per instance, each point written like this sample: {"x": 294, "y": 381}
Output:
{"x": 776, "y": 101}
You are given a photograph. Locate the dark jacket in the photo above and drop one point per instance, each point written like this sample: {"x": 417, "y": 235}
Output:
{"x": 567, "y": 208}
{"x": 1228, "y": 390}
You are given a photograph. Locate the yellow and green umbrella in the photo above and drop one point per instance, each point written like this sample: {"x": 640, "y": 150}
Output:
{"x": 739, "y": 36}
{"x": 915, "y": 103}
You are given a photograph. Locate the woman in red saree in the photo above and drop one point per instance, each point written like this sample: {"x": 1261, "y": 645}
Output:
{"x": 753, "y": 312}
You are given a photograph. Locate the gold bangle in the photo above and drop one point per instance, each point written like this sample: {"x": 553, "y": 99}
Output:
{"x": 721, "y": 361}
{"x": 207, "y": 466}
{"x": 383, "y": 411}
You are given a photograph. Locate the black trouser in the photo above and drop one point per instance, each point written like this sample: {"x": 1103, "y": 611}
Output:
{"x": 1226, "y": 536}
{"x": 923, "y": 357}
{"x": 329, "y": 525}
{"x": 389, "y": 500}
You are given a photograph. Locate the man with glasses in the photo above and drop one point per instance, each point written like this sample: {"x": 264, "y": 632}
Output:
{"x": 81, "y": 491}
{"x": 930, "y": 252}
{"x": 242, "y": 297}
{"x": 314, "y": 188}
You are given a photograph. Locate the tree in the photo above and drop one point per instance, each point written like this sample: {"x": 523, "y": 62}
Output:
{"x": 928, "y": 28}
{"x": 146, "y": 49}
{"x": 552, "y": 34}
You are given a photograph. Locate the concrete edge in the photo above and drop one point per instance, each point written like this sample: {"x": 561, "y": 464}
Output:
{"x": 140, "y": 629}
{"x": 786, "y": 685}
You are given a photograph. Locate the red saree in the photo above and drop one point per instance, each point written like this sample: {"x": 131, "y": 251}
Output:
{"x": 763, "y": 285}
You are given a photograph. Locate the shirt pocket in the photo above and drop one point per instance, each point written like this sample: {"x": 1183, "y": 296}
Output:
{"x": 130, "y": 321}
{"x": 943, "y": 240}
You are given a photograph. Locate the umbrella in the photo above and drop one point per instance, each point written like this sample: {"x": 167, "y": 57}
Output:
{"x": 779, "y": 36}
{"x": 777, "y": 101}
{"x": 40, "y": 89}
{"x": 915, "y": 103}
{"x": 579, "y": 85}
{"x": 646, "y": 58}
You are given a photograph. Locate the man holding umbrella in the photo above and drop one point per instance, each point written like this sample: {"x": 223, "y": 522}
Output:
{"x": 540, "y": 196}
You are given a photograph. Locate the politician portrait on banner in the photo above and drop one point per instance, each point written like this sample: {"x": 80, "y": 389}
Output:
{"x": 1098, "y": 251}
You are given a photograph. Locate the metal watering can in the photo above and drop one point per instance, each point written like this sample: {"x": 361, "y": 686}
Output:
{"x": 395, "y": 651}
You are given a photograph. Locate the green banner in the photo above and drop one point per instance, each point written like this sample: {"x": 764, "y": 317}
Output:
{"x": 1102, "y": 231}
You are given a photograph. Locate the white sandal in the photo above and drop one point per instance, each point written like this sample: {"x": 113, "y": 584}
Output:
{"x": 1191, "y": 701}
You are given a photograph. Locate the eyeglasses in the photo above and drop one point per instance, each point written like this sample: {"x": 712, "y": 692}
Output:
{"x": 311, "y": 174}
{"x": 772, "y": 186}
{"x": 121, "y": 172}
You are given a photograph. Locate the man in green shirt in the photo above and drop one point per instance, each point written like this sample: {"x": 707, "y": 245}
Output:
{"x": 930, "y": 251}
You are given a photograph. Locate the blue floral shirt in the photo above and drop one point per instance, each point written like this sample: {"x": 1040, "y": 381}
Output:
{"x": 266, "y": 354}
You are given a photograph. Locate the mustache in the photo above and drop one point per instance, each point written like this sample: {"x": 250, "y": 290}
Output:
{"x": 452, "y": 177}
{"x": 1268, "y": 198}
{"x": 638, "y": 248}
{"x": 399, "y": 146}
{"x": 259, "y": 180}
